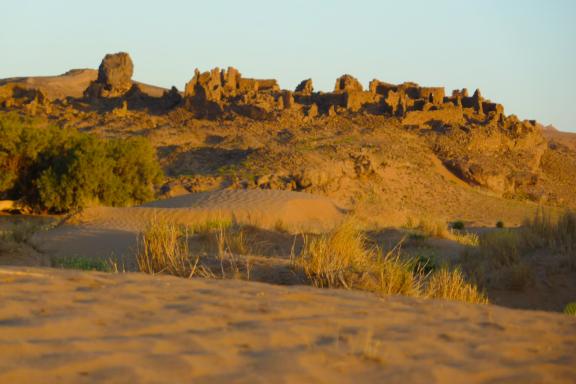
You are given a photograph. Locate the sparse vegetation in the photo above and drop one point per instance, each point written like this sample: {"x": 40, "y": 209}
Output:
{"x": 502, "y": 257}
{"x": 163, "y": 248}
{"x": 82, "y": 263}
{"x": 437, "y": 228}
{"x": 558, "y": 234}
{"x": 342, "y": 259}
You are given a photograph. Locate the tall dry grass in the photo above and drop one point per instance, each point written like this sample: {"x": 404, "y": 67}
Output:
{"x": 163, "y": 248}
{"x": 556, "y": 233}
{"x": 503, "y": 256}
{"x": 451, "y": 285}
{"x": 343, "y": 259}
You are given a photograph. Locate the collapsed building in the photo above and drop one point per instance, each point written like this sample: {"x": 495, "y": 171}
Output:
{"x": 214, "y": 92}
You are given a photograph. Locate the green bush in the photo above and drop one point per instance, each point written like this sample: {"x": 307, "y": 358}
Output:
{"x": 59, "y": 170}
{"x": 458, "y": 225}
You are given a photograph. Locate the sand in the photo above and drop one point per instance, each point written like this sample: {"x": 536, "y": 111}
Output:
{"x": 108, "y": 232}
{"x": 266, "y": 208}
{"x": 61, "y": 326}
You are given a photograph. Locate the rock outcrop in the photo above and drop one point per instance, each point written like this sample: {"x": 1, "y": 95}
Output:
{"x": 114, "y": 77}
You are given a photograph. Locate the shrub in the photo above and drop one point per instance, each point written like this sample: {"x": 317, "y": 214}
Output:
{"x": 458, "y": 225}
{"x": 500, "y": 224}
{"x": 57, "y": 169}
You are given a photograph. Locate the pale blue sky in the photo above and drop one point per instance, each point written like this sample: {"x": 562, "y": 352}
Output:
{"x": 519, "y": 53}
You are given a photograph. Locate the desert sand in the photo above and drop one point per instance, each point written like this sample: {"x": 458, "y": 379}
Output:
{"x": 111, "y": 232}
{"x": 82, "y": 327}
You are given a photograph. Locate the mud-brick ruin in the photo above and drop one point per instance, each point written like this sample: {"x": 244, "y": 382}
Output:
{"x": 215, "y": 92}
{"x": 225, "y": 93}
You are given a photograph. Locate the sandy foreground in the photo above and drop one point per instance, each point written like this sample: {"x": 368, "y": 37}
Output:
{"x": 63, "y": 326}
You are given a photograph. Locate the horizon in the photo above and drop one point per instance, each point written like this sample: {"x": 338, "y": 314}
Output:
{"x": 519, "y": 54}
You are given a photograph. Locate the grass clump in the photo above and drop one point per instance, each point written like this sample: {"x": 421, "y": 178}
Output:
{"x": 163, "y": 248}
{"x": 570, "y": 309}
{"x": 343, "y": 259}
{"x": 451, "y": 285}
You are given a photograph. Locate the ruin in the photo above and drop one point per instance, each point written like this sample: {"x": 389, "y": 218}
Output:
{"x": 214, "y": 92}
{"x": 225, "y": 92}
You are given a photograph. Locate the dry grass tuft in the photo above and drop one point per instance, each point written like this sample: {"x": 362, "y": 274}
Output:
{"x": 451, "y": 285}
{"x": 163, "y": 248}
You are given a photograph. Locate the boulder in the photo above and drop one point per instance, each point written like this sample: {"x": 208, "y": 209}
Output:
{"x": 114, "y": 77}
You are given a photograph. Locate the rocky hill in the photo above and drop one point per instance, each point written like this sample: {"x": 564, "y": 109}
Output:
{"x": 389, "y": 151}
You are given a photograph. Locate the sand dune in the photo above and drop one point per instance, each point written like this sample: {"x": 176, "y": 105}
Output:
{"x": 266, "y": 208}
{"x": 106, "y": 231}
{"x": 70, "y": 84}
{"x": 79, "y": 327}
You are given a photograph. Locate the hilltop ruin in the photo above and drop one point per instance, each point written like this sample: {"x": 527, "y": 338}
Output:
{"x": 222, "y": 93}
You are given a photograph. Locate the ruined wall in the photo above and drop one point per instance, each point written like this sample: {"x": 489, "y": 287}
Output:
{"x": 446, "y": 115}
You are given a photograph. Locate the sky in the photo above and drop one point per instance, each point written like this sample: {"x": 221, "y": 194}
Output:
{"x": 518, "y": 53}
